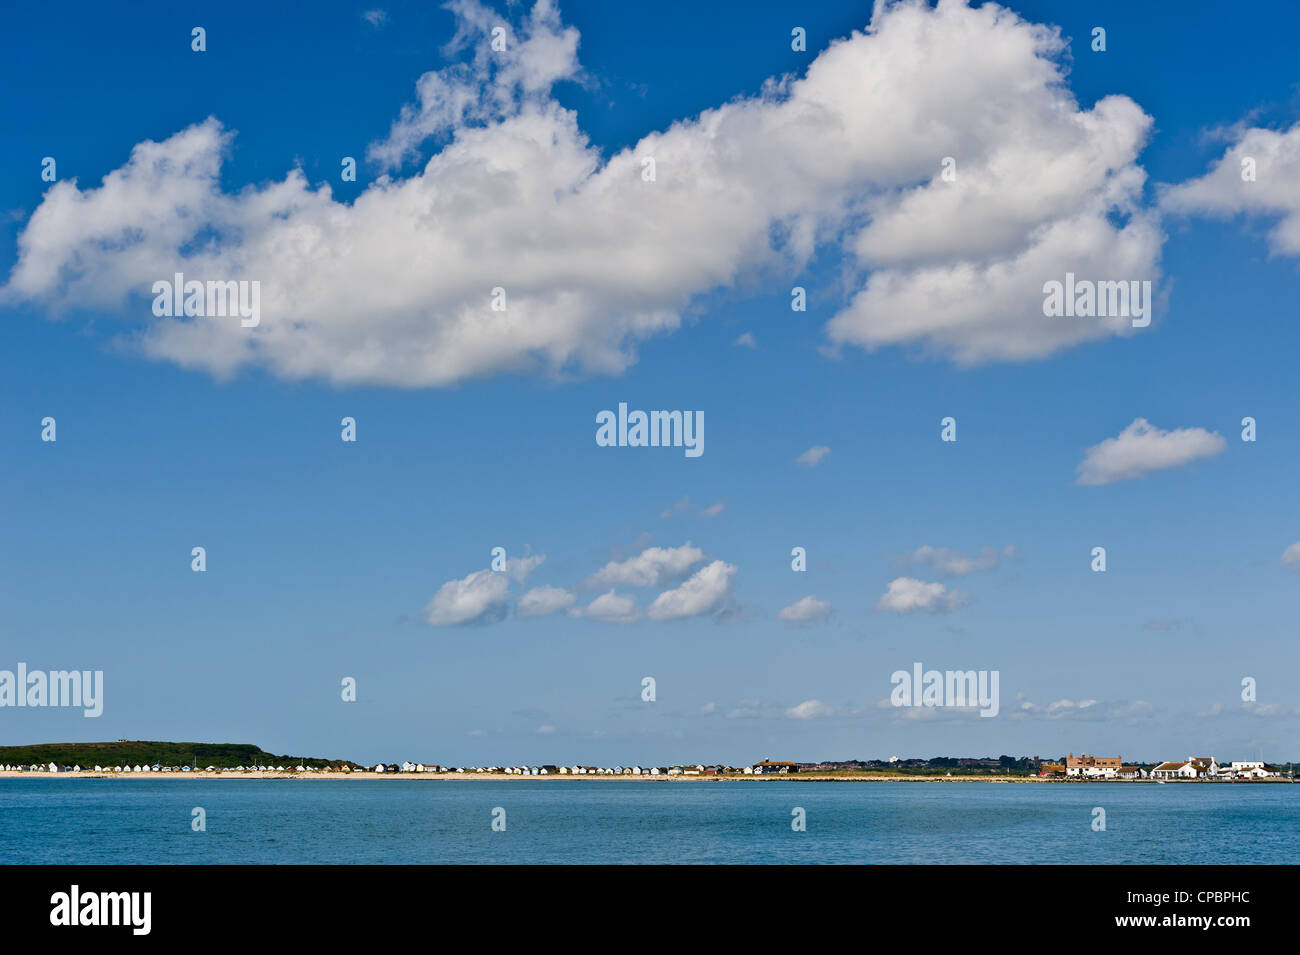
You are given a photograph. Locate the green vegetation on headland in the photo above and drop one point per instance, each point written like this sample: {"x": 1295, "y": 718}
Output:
{"x": 148, "y": 753}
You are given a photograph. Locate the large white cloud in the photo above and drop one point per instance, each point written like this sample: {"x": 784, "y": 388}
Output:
{"x": 707, "y": 591}
{"x": 395, "y": 288}
{"x": 1272, "y": 189}
{"x": 1142, "y": 448}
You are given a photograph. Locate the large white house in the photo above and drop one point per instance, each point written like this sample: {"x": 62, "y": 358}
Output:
{"x": 1194, "y": 767}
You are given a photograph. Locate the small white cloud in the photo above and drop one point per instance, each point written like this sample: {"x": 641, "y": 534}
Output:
{"x": 813, "y": 456}
{"x": 746, "y": 710}
{"x": 1273, "y": 193}
{"x": 520, "y": 567}
{"x": 747, "y": 340}
{"x": 951, "y": 563}
{"x": 610, "y": 608}
{"x": 543, "y": 601}
{"x": 1162, "y": 624}
{"x": 1141, "y": 448}
{"x": 806, "y": 610}
{"x": 1271, "y": 709}
{"x": 909, "y": 595}
{"x": 1087, "y": 710}
{"x": 706, "y": 591}
{"x": 1291, "y": 557}
{"x": 376, "y": 18}
{"x": 809, "y": 709}
{"x": 546, "y": 729}
{"x": 713, "y": 510}
{"x": 674, "y": 509}
{"x": 479, "y": 598}
{"x": 650, "y": 568}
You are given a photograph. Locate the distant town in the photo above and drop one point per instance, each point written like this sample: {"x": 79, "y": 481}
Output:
{"x": 126, "y": 757}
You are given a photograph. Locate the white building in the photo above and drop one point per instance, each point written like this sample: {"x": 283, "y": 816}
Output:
{"x": 1249, "y": 769}
{"x": 1195, "y": 767}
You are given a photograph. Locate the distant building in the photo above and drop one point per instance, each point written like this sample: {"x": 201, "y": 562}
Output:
{"x": 1104, "y": 767}
{"x": 769, "y": 766}
{"x": 1250, "y": 769}
{"x": 1194, "y": 767}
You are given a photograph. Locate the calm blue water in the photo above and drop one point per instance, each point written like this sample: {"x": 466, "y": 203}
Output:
{"x": 272, "y": 821}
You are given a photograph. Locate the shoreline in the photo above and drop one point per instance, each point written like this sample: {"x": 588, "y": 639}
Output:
{"x": 504, "y": 777}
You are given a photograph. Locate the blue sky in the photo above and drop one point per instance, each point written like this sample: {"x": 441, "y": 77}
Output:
{"x": 325, "y": 557}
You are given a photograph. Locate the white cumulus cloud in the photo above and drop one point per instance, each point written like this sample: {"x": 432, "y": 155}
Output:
{"x": 909, "y": 595}
{"x": 650, "y": 568}
{"x": 543, "y": 601}
{"x": 706, "y": 591}
{"x": 1291, "y": 556}
{"x": 479, "y": 598}
{"x": 806, "y": 610}
{"x": 609, "y": 607}
{"x": 396, "y": 287}
{"x": 809, "y": 709}
{"x": 1142, "y": 448}
{"x": 1272, "y": 193}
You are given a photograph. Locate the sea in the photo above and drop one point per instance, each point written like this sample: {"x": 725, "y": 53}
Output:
{"x": 154, "y": 821}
